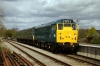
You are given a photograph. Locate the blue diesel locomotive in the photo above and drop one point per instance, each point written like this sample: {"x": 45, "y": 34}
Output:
{"x": 60, "y": 35}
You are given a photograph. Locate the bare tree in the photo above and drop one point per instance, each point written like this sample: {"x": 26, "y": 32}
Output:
{"x": 2, "y": 27}
{"x": 1, "y": 14}
{"x": 82, "y": 34}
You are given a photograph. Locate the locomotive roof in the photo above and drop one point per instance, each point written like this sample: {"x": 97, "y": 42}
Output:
{"x": 50, "y": 23}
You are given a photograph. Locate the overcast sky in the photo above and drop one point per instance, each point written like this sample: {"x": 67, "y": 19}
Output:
{"x": 24, "y": 14}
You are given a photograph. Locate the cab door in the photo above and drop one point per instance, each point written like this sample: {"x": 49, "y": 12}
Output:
{"x": 53, "y": 33}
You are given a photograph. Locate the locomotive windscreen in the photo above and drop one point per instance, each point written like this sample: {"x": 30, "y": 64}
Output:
{"x": 60, "y": 26}
{"x": 74, "y": 26}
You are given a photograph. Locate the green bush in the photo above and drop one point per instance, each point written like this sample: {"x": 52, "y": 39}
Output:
{"x": 95, "y": 40}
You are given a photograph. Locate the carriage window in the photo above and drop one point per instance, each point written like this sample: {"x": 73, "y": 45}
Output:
{"x": 67, "y": 25}
{"x": 60, "y": 26}
{"x": 47, "y": 28}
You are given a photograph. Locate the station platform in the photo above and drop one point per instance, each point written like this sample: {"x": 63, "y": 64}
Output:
{"x": 89, "y": 50}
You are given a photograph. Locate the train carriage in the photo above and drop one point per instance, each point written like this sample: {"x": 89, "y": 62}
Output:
{"x": 26, "y": 35}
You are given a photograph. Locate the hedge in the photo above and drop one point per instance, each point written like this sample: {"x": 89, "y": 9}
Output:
{"x": 95, "y": 40}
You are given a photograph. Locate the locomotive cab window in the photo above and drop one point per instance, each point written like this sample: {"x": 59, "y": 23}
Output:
{"x": 60, "y": 26}
{"x": 74, "y": 26}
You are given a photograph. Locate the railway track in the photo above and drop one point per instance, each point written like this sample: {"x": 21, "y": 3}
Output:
{"x": 51, "y": 59}
{"x": 81, "y": 62}
{"x": 13, "y": 59}
{"x": 1, "y": 60}
{"x": 83, "y": 59}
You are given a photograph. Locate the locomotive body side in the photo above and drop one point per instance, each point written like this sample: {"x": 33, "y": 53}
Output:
{"x": 42, "y": 35}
